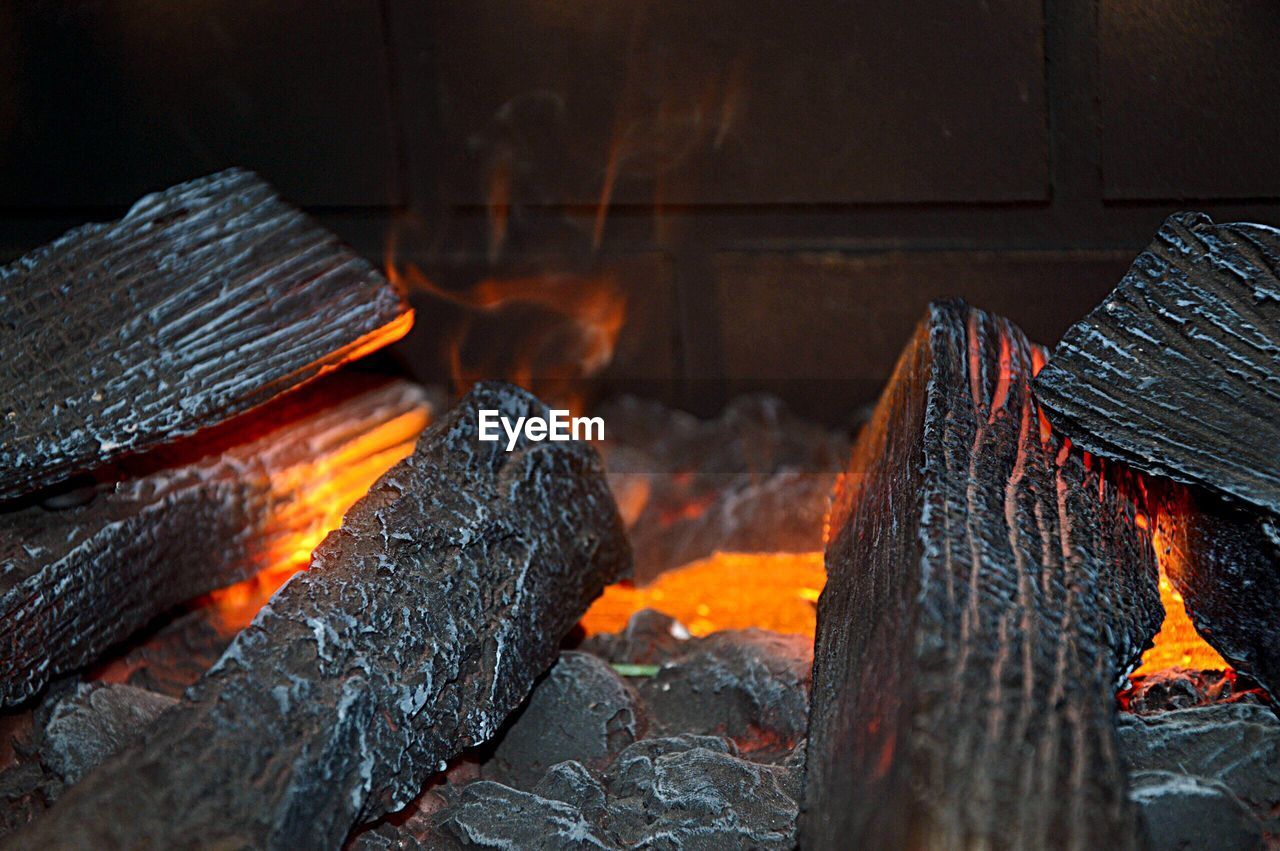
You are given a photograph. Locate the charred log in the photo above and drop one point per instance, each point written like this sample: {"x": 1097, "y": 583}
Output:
{"x": 1178, "y": 371}
{"x": 206, "y": 300}
{"x": 420, "y": 626}
{"x": 74, "y": 580}
{"x": 987, "y": 589}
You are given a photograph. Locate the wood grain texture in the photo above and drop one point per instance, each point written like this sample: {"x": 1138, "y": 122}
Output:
{"x": 1177, "y": 372}
{"x": 74, "y": 580}
{"x": 987, "y": 589}
{"x": 204, "y": 301}
{"x": 420, "y": 626}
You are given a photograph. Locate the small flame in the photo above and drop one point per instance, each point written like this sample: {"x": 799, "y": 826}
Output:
{"x": 774, "y": 591}
{"x": 1178, "y": 644}
{"x": 571, "y": 336}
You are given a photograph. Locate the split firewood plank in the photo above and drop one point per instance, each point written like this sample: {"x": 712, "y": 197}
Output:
{"x": 1225, "y": 562}
{"x": 256, "y": 493}
{"x": 204, "y": 301}
{"x": 987, "y": 589}
{"x": 421, "y": 624}
{"x": 1177, "y": 372}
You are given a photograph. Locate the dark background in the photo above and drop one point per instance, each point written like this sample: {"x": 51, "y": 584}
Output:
{"x": 779, "y": 188}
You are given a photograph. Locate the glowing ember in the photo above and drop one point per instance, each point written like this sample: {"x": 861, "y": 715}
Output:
{"x": 774, "y": 591}
{"x": 1177, "y": 645}
{"x": 374, "y": 340}
{"x": 310, "y": 500}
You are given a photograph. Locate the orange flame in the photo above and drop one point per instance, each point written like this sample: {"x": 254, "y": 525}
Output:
{"x": 774, "y": 591}
{"x": 571, "y": 338}
{"x": 1178, "y": 644}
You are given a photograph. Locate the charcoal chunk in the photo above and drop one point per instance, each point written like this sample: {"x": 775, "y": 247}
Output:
{"x": 580, "y": 711}
{"x": 223, "y": 507}
{"x": 490, "y": 815}
{"x": 1236, "y": 745}
{"x": 573, "y": 784}
{"x": 987, "y": 588}
{"x": 748, "y": 685}
{"x": 421, "y": 624}
{"x": 1176, "y": 371}
{"x": 95, "y": 722}
{"x": 695, "y": 792}
{"x": 650, "y": 637}
{"x": 1180, "y": 813}
{"x": 671, "y": 793}
{"x": 1182, "y": 688}
{"x": 204, "y": 301}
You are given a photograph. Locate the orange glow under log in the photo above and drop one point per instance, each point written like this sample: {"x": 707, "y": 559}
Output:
{"x": 1177, "y": 645}
{"x": 373, "y": 341}
{"x": 774, "y": 591}
{"x": 309, "y": 501}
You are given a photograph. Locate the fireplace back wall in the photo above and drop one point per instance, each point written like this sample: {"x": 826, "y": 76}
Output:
{"x": 778, "y": 189}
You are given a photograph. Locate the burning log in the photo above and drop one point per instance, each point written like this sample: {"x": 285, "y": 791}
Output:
{"x": 1177, "y": 371}
{"x": 987, "y": 589}
{"x": 76, "y": 579}
{"x": 420, "y": 626}
{"x": 206, "y": 300}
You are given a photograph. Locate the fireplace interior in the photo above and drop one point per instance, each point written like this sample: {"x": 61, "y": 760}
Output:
{"x": 936, "y": 356}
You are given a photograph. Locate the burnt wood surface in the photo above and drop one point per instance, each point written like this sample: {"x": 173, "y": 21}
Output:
{"x": 76, "y": 578}
{"x": 1178, "y": 371}
{"x": 1225, "y": 562}
{"x": 420, "y": 626}
{"x": 987, "y": 589}
{"x": 204, "y": 301}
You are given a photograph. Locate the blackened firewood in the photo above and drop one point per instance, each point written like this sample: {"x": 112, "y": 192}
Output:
{"x": 1178, "y": 371}
{"x": 420, "y": 626}
{"x": 1225, "y": 562}
{"x": 204, "y": 301}
{"x": 987, "y": 589}
{"x": 256, "y": 493}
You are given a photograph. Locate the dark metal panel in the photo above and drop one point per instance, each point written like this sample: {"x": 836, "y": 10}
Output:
{"x": 1189, "y": 105}
{"x": 824, "y": 330}
{"x": 673, "y": 102}
{"x": 109, "y": 100}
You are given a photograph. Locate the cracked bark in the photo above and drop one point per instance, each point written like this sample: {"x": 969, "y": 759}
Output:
{"x": 76, "y": 579}
{"x": 987, "y": 589}
{"x": 420, "y": 626}
{"x": 206, "y": 300}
